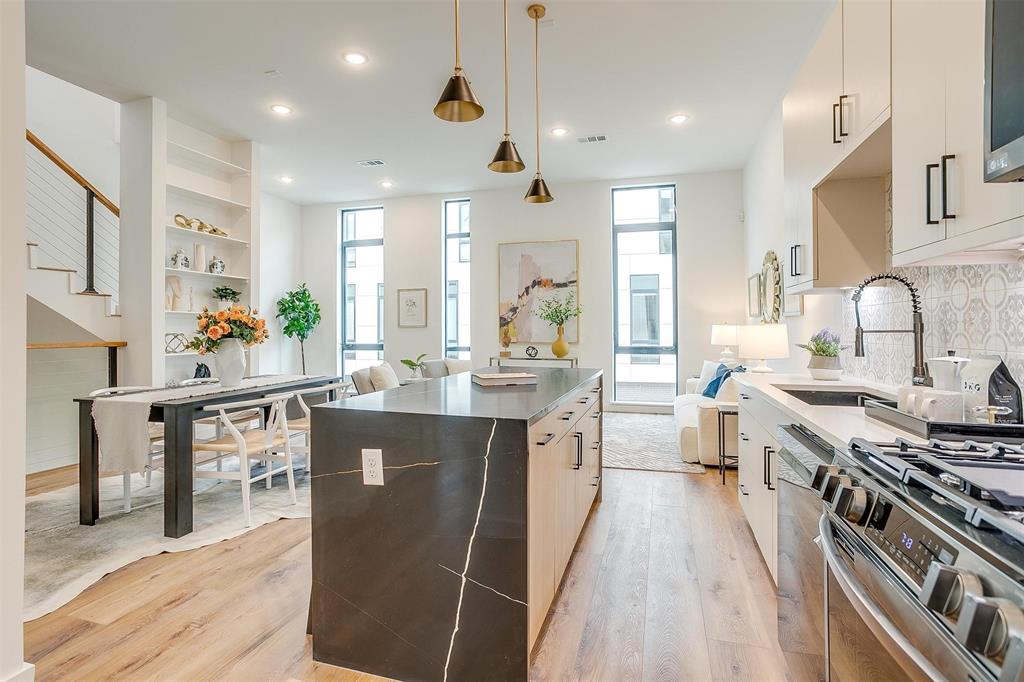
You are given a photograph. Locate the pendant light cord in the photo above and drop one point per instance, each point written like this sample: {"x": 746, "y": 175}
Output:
{"x": 506, "y": 66}
{"x": 536, "y": 83}
{"x": 458, "y": 39}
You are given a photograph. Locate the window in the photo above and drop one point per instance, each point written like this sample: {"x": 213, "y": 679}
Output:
{"x": 362, "y": 252}
{"x": 644, "y": 272}
{"x": 456, "y": 278}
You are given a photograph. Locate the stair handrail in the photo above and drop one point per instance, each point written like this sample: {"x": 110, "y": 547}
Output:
{"x": 111, "y": 347}
{"x": 92, "y": 195}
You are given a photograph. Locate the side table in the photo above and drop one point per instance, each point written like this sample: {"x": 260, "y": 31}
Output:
{"x": 726, "y": 410}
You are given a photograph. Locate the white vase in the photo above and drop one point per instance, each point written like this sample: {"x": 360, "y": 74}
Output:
{"x": 230, "y": 357}
{"x": 825, "y": 368}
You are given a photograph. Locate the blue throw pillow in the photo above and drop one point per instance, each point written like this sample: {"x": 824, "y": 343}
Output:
{"x": 721, "y": 375}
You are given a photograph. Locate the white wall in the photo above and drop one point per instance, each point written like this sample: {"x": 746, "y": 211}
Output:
{"x": 710, "y": 251}
{"x": 764, "y": 227}
{"x": 280, "y": 244}
{"x": 81, "y": 126}
{"x": 12, "y": 339}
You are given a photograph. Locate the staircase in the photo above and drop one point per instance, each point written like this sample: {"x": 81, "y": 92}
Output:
{"x": 73, "y": 258}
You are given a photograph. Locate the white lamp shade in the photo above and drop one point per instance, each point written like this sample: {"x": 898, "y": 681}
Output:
{"x": 723, "y": 335}
{"x": 763, "y": 341}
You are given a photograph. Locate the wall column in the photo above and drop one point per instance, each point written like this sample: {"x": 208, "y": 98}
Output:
{"x": 143, "y": 237}
{"x": 12, "y": 340}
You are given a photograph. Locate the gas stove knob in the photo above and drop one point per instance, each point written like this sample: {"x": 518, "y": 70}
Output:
{"x": 831, "y": 483}
{"x": 821, "y": 473}
{"x": 986, "y": 624}
{"x": 1013, "y": 662}
{"x": 851, "y": 502}
{"x": 944, "y": 588}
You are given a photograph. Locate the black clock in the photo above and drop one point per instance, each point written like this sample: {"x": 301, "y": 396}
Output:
{"x": 531, "y": 351}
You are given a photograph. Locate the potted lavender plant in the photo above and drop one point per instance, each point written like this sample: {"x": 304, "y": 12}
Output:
{"x": 824, "y": 348}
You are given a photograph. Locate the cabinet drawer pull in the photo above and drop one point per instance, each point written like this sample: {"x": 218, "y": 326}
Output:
{"x": 596, "y": 445}
{"x": 742, "y": 491}
{"x": 596, "y": 390}
{"x": 835, "y": 134}
{"x": 928, "y": 168}
{"x": 567, "y": 416}
{"x": 578, "y": 463}
{"x": 794, "y": 268}
{"x": 744, "y": 396}
{"x": 596, "y": 415}
{"x": 842, "y": 125}
{"x": 768, "y": 452}
{"x": 945, "y": 189}
{"x": 547, "y": 439}
{"x": 584, "y": 400}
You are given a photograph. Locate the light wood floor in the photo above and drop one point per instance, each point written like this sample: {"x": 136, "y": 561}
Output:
{"x": 666, "y": 584}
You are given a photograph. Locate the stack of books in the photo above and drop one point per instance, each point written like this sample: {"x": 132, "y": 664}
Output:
{"x": 504, "y": 378}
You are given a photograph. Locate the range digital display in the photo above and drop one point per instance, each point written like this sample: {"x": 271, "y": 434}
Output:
{"x": 906, "y": 541}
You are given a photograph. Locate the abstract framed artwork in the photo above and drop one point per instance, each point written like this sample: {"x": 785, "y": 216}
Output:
{"x": 529, "y": 273}
{"x": 412, "y": 307}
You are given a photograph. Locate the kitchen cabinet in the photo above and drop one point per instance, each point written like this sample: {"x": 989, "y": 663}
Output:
{"x": 758, "y": 452}
{"x": 941, "y": 204}
{"x": 835, "y": 112}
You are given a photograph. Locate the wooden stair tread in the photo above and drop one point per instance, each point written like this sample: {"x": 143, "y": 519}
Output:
{"x": 54, "y": 268}
{"x": 31, "y": 244}
{"x": 92, "y": 293}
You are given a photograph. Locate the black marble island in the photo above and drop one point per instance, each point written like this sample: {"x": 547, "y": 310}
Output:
{"x": 444, "y": 515}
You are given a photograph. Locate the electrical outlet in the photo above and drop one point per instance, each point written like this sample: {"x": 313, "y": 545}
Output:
{"x": 373, "y": 467}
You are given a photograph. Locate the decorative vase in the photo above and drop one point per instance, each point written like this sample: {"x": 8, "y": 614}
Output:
{"x": 217, "y": 265}
{"x": 198, "y": 256}
{"x": 825, "y": 368}
{"x": 560, "y": 347}
{"x": 179, "y": 261}
{"x": 230, "y": 357}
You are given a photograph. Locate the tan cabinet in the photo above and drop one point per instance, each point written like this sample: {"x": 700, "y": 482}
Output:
{"x": 941, "y": 204}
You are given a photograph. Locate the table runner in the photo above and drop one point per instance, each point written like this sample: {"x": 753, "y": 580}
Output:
{"x": 122, "y": 421}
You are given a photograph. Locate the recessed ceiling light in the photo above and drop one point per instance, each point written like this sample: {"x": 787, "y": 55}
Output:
{"x": 678, "y": 119}
{"x": 387, "y": 184}
{"x": 286, "y": 179}
{"x": 559, "y": 132}
{"x": 282, "y": 109}
{"x": 355, "y": 58}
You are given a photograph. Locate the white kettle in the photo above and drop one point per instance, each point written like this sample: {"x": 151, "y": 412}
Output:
{"x": 946, "y": 370}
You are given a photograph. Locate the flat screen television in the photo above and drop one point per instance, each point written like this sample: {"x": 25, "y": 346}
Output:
{"x": 1004, "y": 90}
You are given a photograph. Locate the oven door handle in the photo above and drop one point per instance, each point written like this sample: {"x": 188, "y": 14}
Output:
{"x": 874, "y": 617}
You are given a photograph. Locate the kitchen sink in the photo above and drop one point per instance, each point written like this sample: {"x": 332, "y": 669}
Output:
{"x": 834, "y": 398}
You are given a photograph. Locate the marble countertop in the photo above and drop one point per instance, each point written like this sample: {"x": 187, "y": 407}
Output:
{"x": 837, "y": 425}
{"x": 458, "y": 396}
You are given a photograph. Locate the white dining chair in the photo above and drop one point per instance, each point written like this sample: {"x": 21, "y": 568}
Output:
{"x": 243, "y": 420}
{"x": 269, "y": 444}
{"x": 301, "y": 426}
{"x": 156, "y": 441}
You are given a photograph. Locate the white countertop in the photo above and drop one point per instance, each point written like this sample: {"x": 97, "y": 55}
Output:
{"x": 835, "y": 424}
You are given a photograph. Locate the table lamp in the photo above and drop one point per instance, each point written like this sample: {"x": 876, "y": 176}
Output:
{"x": 725, "y": 335}
{"x": 763, "y": 342}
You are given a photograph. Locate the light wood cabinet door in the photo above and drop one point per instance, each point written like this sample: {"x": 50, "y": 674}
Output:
{"x": 565, "y": 501}
{"x": 918, "y": 123}
{"x": 866, "y": 64}
{"x": 541, "y": 529}
{"x": 974, "y": 203}
{"x": 810, "y": 143}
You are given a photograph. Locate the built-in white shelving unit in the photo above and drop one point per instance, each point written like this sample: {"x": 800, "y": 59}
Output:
{"x": 213, "y": 180}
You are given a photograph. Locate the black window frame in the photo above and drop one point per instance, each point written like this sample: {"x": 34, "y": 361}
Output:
{"x": 645, "y": 349}
{"x": 452, "y": 350}
{"x": 347, "y": 244}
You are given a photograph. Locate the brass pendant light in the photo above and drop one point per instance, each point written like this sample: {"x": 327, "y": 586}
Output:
{"x": 457, "y": 102}
{"x": 538, "y": 192}
{"x": 506, "y": 159}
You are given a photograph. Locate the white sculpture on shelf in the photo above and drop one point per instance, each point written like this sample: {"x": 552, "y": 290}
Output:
{"x": 172, "y": 293}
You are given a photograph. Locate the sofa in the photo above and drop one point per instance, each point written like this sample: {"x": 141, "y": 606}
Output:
{"x": 696, "y": 422}
{"x": 443, "y": 367}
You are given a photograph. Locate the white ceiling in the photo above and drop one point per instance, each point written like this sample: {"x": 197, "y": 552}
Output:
{"x": 611, "y": 68}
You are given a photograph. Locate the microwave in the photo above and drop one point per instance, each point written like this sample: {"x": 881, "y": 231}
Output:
{"x": 1004, "y": 90}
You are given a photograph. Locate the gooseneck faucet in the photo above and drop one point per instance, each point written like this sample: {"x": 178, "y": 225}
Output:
{"x": 921, "y": 377}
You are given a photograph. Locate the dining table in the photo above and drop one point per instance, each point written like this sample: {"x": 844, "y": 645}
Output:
{"x": 177, "y": 414}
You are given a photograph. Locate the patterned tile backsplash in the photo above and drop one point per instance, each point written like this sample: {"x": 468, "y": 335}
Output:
{"x": 972, "y": 309}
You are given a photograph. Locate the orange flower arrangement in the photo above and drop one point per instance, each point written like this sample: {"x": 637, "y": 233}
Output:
{"x": 237, "y": 322}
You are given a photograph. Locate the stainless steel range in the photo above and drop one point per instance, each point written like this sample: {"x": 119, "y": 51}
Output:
{"x": 924, "y": 558}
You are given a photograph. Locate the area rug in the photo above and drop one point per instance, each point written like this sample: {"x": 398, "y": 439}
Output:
{"x": 643, "y": 441}
{"x": 63, "y": 558}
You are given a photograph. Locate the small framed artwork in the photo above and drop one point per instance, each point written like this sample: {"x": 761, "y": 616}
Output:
{"x": 412, "y": 307}
{"x": 754, "y": 295}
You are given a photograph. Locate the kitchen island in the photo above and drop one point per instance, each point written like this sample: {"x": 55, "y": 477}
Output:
{"x": 444, "y": 516}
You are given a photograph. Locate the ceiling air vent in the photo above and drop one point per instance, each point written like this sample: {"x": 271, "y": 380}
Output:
{"x": 370, "y": 163}
{"x": 591, "y": 138}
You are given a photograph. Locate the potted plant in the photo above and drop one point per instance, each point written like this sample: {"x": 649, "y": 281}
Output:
{"x": 299, "y": 314}
{"x": 558, "y": 311}
{"x": 824, "y": 348}
{"x": 226, "y": 296}
{"x": 416, "y": 365}
{"x": 226, "y": 334}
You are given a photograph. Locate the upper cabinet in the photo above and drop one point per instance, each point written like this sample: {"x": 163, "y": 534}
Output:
{"x": 837, "y": 106}
{"x": 941, "y": 204}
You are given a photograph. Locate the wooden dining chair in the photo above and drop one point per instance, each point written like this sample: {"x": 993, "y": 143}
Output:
{"x": 301, "y": 426}
{"x": 269, "y": 444}
{"x": 156, "y": 441}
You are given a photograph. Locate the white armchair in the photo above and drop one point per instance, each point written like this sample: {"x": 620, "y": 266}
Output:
{"x": 696, "y": 422}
